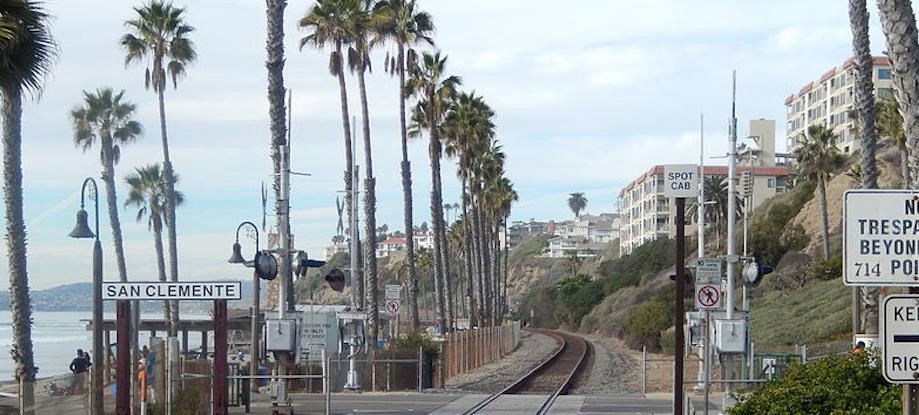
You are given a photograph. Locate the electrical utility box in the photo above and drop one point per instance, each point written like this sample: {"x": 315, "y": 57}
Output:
{"x": 730, "y": 335}
{"x": 281, "y": 335}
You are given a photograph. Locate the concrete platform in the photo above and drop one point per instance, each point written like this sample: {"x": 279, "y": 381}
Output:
{"x": 454, "y": 403}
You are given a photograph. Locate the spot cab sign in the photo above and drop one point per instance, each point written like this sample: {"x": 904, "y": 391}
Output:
{"x": 681, "y": 180}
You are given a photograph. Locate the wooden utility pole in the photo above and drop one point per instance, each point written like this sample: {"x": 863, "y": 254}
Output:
{"x": 680, "y": 281}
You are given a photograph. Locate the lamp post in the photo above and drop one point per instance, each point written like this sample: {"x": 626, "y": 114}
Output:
{"x": 237, "y": 258}
{"x": 81, "y": 230}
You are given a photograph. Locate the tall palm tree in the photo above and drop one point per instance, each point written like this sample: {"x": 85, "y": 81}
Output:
{"x": 158, "y": 38}
{"x": 577, "y": 202}
{"x": 106, "y": 119}
{"x": 435, "y": 90}
{"x": 716, "y": 215}
{"x": 817, "y": 157}
{"x": 147, "y": 193}
{"x": 899, "y": 25}
{"x": 27, "y": 52}
{"x": 330, "y": 24}
{"x": 890, "y": 124}
{"x": 468, "y": 129}
{"x": 864, "y": 91}
{"x": 359, "y": 63}
{"x": 401, "y": 22}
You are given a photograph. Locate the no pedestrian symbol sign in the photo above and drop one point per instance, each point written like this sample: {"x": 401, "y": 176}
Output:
{"x": 392, "y": 306}
{"x": 708, "y": 296}
{"x": 900, "y": 333}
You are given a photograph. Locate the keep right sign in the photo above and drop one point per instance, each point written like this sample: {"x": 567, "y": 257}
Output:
{"x": 900, "y": 333}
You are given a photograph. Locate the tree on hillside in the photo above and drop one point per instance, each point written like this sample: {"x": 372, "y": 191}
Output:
{"x": 27, "y": 52}
{"x": 107, "y": 120}
{"x": 716, "y": 208}
{"x": 864, "y": 91}
{"x": 330, "y": 25}
{"x": 817, "y": 157}
{"x": 159, "y": 34}
{"x": 577, "y": 202}
{"x": 401, "y": 22}
{"x": 899, "y": 25}
{"x": 147, "y": 193}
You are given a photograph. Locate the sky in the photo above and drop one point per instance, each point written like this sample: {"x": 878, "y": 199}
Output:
{"x": 588, "y": 95}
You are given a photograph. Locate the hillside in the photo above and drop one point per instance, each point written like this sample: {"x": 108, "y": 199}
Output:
{"x": 803, "y": 302}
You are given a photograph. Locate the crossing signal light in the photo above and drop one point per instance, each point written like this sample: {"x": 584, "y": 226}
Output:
{"x": 302, "y": 263}
{"x": 746, "y": 183}
{"x": 336, "y": 279}
{"x": 754, "y": 271}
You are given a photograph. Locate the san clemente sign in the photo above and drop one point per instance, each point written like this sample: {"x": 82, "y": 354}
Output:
{"x": 184, "y": 290}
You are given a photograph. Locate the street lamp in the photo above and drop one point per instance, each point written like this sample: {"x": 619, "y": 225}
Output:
{"x": 81, "y": 230}
{"x": 265, "y": 260}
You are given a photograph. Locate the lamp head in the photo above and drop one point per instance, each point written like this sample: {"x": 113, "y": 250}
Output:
{"x": 81, "y": 230}
{"x": 237, "y": 257}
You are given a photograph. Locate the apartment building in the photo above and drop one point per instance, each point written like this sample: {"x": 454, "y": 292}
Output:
{"x": 645, "y": 214}
{"x": 829, "y": 100}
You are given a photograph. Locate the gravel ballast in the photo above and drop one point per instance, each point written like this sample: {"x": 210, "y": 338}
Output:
{"x": 495, "y": 376}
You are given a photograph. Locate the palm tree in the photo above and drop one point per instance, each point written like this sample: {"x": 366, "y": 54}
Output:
{"x": 361, "y": 24}
{"x": 159, "y": 36}
{"x": 274, "y": 12}
{"x": 716, "y": 214}
{"x": 577, "y": 202}
{"x": 107, "y": 119}
{"x": 890, "y": 124}
{"x": 435, "y": 91}
{"x": 864, "y": 91}
{"x": 146, "y": 193}
{"x": 330, "y": 24}
{"x": 27, "y": 52}
{"x": 402, "y": 23}
{"x": 817, "y": 157}
{"x": 899, "y": 25}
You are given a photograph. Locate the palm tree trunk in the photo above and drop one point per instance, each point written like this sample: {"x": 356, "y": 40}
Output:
{"x": 480, "y": 262}
{"x": 407, "y": 196}
{"x": 108, "y": 177}
{"x": 904, "y": 167}
{"x": 821, "y": 188}
{"x": 370, "y": 242}
{"x": 168, "y": 179}
{"x": 20, "y": 303}
{"x": 864, "y": 91}
{"x": 436, "y": 213}
{"x": 160, "y": 259}
{"x": 349, "y": 163}
{"x": 899, "y": 24}
{"x": 504, "y": 293}
{"x": 471, "y": 286}
{"x": 448, "y": 280}
{"x": 864, "y": 102}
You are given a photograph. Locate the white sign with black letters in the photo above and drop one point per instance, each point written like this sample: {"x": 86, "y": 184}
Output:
{"x": 900, "y": 334}
{"x": 681, "y": 180}
{"x": 881, "y": 237}
{"x": 184, "y": 290}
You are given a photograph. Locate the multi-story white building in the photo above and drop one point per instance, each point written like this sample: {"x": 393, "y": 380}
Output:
{"x": 829, "y": 100}
{"x": 390, "y": 245}
{"x": 602, "y": 228}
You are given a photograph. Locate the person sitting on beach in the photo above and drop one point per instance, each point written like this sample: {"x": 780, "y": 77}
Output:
{"x": 79, "y": 366}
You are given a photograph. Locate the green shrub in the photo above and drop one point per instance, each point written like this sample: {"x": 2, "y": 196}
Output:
{"x": 826, "y": 269}
{"x": 617, "y": 282}
{"x": 643, "y": 325}
{"x": 537, "y": 307}
{"x": 415, "y": 339}
{"x": 576, "y": 297}
{"x": 850, "y": 384}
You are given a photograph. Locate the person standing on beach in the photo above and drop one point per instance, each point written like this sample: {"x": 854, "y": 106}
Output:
{"x": 79, "y": 366}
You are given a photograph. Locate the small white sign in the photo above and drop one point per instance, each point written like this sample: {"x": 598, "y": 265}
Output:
{"x": 900, "y": 333}
{"x": 392, "y": 306}
{"x": 881, "y": 237}
{"x": 708, "y": 296}
{"x": 393, "y": 292}
{"x": 769, "y": 366}
{"x": 681, "y": 180}
{"x": 708, "y": 269}
{"x": 185, "y": 290}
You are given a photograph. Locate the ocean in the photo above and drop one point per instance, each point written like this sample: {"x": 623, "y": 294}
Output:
{"x": 56, "y": 335}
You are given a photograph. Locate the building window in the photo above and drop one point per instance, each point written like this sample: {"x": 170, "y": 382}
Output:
{"x": 771, "y": 183}
{"x": 883, "y": 73}
{"x": 883, "y": 93}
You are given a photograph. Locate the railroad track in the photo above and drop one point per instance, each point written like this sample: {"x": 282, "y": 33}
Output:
{"x": 552, "y": 377}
